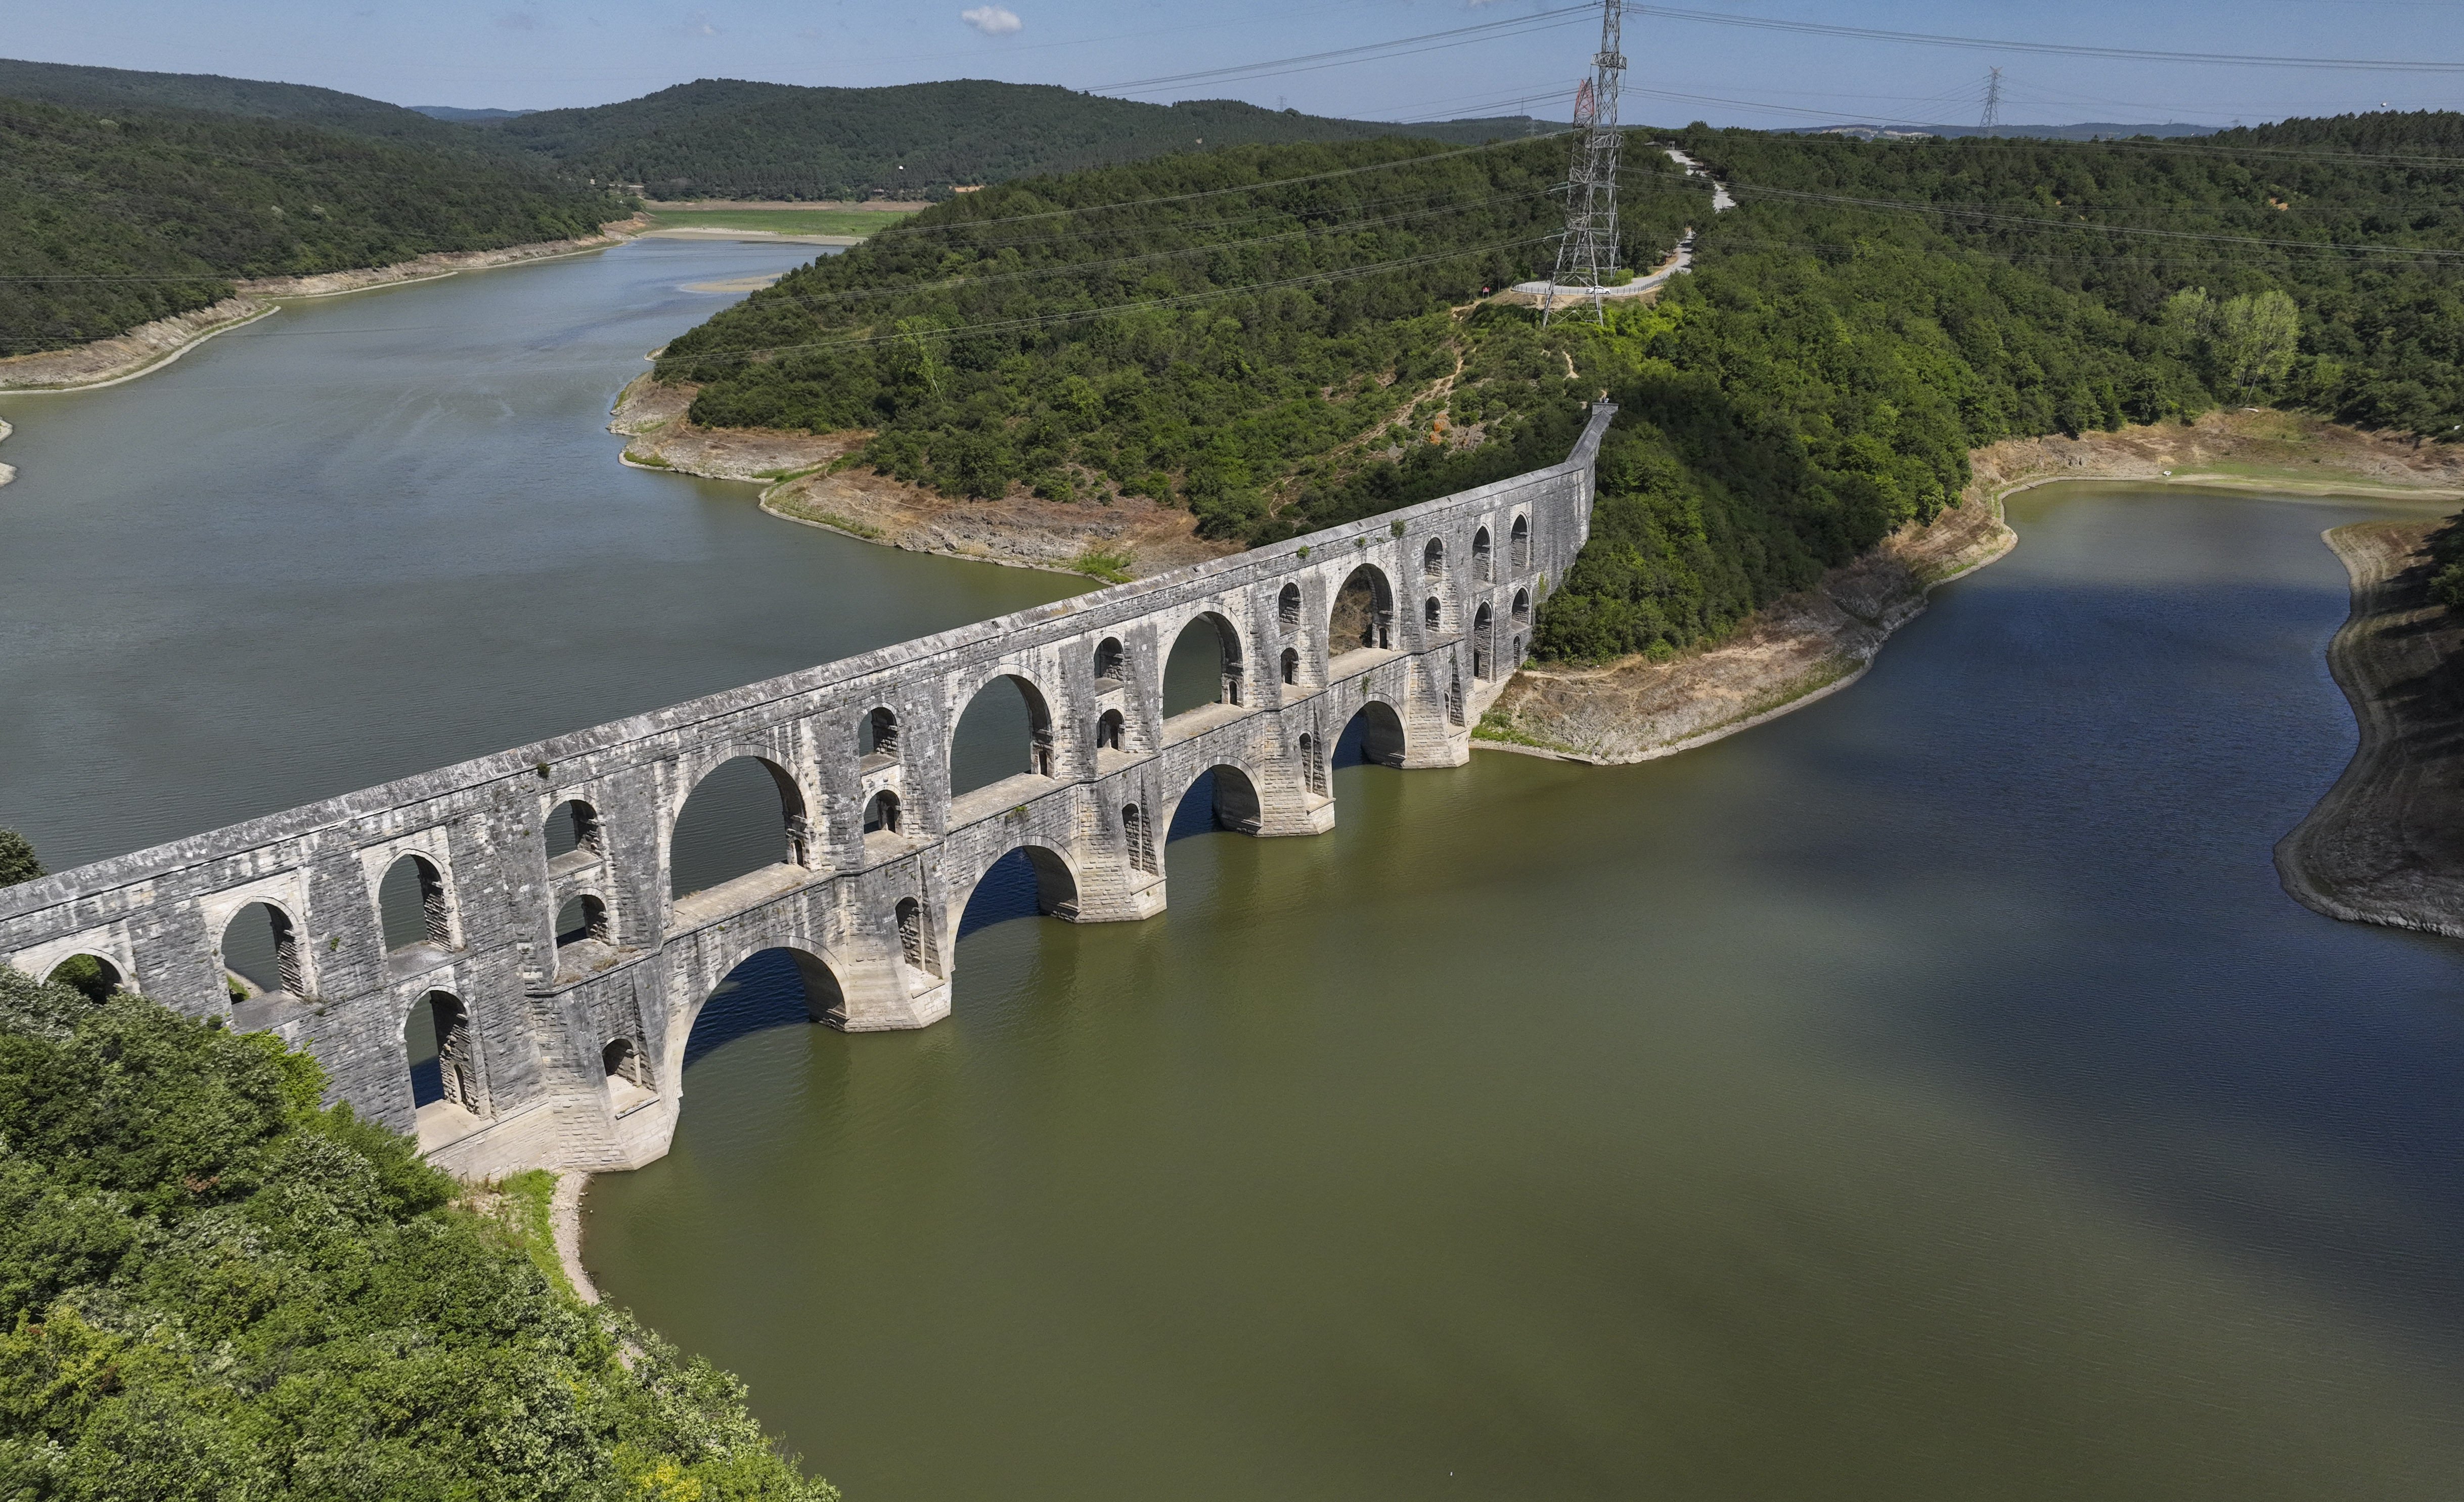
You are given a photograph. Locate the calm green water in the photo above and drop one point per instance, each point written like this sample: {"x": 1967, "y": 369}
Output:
{"x": 1927, "y": 1096}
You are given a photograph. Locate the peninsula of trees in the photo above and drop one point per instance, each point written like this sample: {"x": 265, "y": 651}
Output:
{"x": 1282, "y": 337}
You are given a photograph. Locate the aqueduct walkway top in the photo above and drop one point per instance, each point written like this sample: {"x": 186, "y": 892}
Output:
{"x": 567, "y": 1050}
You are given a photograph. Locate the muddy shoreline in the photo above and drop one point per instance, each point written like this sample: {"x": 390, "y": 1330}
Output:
{"x": 1802, "y": 648}
{"x": 2384, "y": 846}
{"x": 150, "y": 346}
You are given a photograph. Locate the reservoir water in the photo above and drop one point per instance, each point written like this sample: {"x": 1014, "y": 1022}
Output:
{"x": 1930, "y": 1094}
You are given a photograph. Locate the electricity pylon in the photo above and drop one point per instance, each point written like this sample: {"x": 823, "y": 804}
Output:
{"x": 1588, "y": 251}
{"x": 1993, "y": 119}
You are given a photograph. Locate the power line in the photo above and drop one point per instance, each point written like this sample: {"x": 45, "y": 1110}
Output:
{"x": 1341, "y": 56}
{"x": 2061, "y": 48}
{"x": 1184, "y": 300}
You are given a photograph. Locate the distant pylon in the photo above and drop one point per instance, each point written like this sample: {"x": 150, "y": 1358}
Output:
{"x": 1993, "y": 119}
{"x": 1588, "y": 251}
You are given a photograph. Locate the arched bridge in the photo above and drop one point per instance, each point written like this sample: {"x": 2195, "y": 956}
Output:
{"x": 559, "y": 979}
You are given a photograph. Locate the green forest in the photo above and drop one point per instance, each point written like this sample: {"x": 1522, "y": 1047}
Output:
{"x": 723, "y": 138}
{"x": 212, "y": 1286}
{"x": 108, "y": 221}
{"x": 1283, "y": 337}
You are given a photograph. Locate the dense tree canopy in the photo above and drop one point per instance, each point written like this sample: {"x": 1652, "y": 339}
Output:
{"x": 211, "y": 1287}
{"x": 110, "y": 221}
{"x": 725, "y": 138}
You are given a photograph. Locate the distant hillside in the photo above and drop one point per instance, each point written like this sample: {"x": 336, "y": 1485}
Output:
{"x": 456, "y": 113}
{"x": 2089, "y": 130}
{"x": 145, "y": 214}
{"x": 121, "y": 91}
{"x": 725, "y": 138}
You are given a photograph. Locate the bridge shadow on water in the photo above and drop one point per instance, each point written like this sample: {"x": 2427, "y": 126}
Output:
{"x": 765, "y": 991}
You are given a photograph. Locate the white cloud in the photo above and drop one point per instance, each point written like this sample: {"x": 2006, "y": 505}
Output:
{"x": 992, "y": 20}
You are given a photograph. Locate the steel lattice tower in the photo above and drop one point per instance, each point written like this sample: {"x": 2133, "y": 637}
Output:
{"x": 1993, "y": 119}
{"x": 1588, "y": 251}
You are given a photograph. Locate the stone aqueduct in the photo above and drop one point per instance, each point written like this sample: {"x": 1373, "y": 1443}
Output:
{"x": 567, "y": 1050}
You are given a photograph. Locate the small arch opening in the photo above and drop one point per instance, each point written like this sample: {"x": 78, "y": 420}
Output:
{"x": 1432, "y": 614}
{"x": 1432, "y": 559}
{"x": 411, "y": 900}
{"x": 1220, "y": 797}
{"x": 1111, "y": 663}
{"x": 1287, "y": 607}
{"x": 260, "y": 952}
{"x": 1137, "y": 833}
{"x": 745, "y": 815}
{"x": 769, "y": 988}
{"x": 573, "y": 825}
{"x": 1112, "y": 731}
{"x": 881, "y": 815}
{"x": 442, "y": 1051}
{"x": 580, "y": 919}
{"x": 90, "y": 976}
{"x": 876, "y": 734}
{"x": 1481, "y": 622}
{"x": 1291, "y": 665}
{"x": 1373, "y": 737}
{"x": 1364, "y": 613}
{"x": 1519, "y": 543}
{"x": 1204, "y": 666}
{"x": 1004, "y": 731}
{"x": 1522, "y": 611}
{"x": 1312, "y": 765}
{"x": 621, "y": 1060}
{"x": 917, "y": 944}
{"x": 1028, "y": 882}
{"x": 1483, "y": 564}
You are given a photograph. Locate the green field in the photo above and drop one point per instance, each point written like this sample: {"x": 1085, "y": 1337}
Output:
{"x": 782, "y": 221}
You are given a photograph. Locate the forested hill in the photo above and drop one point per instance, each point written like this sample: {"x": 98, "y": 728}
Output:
{"x": 119, "y": 92}
{"x": 142, "y": 216}
{"x": 721, "y": 138}
{"x": 1291, "y": 348}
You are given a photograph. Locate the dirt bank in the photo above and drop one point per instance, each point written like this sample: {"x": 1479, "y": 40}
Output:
{"x": 150, "y": 346}
{"x": 2384, "y": 845}
{"x": 1113, "y": 537}
{"x": 1807, "y": 645}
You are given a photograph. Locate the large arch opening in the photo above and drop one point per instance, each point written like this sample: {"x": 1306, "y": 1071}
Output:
{"x": 441, "y": 1052}
{"x": 745, "y": 815}
{"x": 90, "y": 976}
{"x": 1004, "y": 731}
{"x": 411, "y": 903}
{"x": 1484, "y": 564}
{"x": 1287, "y": 607}
{"x": 1220, "y": 798}
{"x": 1029, "y": 882}
{"x": 1481, "y": 631}
{"x": 1363, "y": 616}
{"x": 1204, "y": 666}
{"x": 260, "y": 951}
{"x": 1519, "y": 543}
{"x": 1112, "y": 664}
{"x": 1374, "y": 737}
{"x": 573, "y": 825}
{"x": 1433, "y": 559}
{"x": 770, "y": 988}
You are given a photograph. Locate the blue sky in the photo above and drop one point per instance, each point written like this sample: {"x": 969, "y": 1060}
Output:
{"x": 542, "y": 54}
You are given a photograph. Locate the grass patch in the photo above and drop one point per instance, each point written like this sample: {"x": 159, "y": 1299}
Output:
{"x": 649, "y": 461}
{"x": 784, "y": 221}
{"x": 789, "y": 474}
{"x": 827, "y": 519}
{"x": 521, "y": 1205}
{"x": 1494, "y": 725}
{"x": 1113, "y": 568}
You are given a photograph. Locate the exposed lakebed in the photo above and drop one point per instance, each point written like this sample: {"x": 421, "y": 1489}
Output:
{"x": 1929, "y": 1094}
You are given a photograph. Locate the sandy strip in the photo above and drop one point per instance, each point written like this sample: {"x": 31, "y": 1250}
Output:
{"x": 564, "y": 1214}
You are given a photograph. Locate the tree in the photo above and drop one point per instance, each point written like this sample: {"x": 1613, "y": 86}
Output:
{"x": 17, "y": 860}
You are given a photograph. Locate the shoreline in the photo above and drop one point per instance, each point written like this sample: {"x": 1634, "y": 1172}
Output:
{"x": 149, "y": 347}
{"x": 565, "y": 1220}
{"x": 1804, "y": 648}
{"x": 2382, "y": 845}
